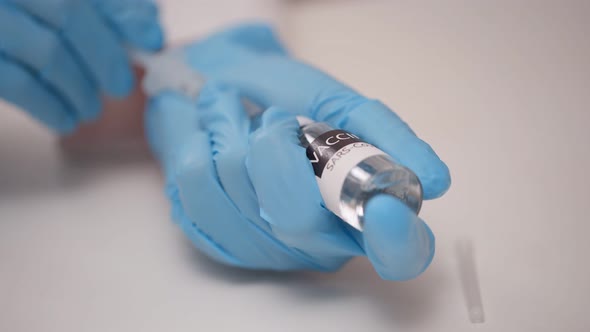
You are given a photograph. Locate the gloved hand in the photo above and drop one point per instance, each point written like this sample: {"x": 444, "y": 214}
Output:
{"x": 251, "y": 199}
{"x": 57, "y": 57}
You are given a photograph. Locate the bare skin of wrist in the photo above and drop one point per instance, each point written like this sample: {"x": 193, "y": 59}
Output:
{"x": 119, "y": 128}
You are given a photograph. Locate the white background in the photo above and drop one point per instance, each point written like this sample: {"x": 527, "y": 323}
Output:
{"x": 500, "y": 89}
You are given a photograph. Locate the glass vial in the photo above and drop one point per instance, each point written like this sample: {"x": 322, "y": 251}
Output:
{"x": 350, "y": 172}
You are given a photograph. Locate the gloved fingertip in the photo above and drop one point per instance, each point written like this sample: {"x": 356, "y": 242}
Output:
{"x": 398, "y": 243}
{"x": 122, "y": 80}
{"x": 437, "y": 182}
{"x": 136, "y": 21}
{"x": 378, "y": 125}
{"x": 93, "y": 110}
{"x": 151, "y": 38}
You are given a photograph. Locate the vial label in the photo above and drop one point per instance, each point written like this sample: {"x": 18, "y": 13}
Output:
{"x": 323, "y": 148}
{"x": 333, "y": 155}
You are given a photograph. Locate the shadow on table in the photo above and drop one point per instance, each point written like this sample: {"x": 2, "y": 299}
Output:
{"x": 33, "y": 160}
{"x": 31, "y": 169}
{"x": 405, "y": 304}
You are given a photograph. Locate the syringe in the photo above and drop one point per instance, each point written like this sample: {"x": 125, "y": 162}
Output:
{"x": 168, "y": 71}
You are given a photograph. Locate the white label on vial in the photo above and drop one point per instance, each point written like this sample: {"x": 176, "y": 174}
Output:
{"x": 333, "y": 155}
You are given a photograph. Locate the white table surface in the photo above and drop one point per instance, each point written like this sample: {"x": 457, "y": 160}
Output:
{"x": 500, "y": 89}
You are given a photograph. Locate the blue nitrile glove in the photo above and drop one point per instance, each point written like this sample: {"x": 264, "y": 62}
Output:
{"x": 251, "y": 200}
{"x": 57, "y": 57}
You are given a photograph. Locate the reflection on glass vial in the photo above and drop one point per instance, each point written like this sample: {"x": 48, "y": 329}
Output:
{"x": 350, "y": 172}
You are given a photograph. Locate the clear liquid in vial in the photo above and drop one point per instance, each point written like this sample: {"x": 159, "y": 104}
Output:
{"x": 350, "y": 172}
